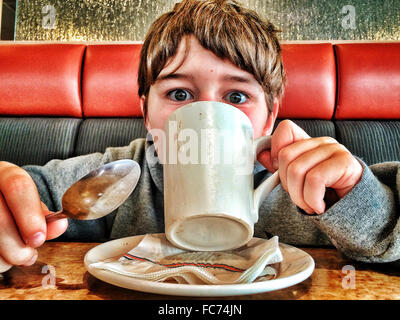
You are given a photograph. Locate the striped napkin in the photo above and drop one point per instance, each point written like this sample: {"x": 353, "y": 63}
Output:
{"x": 156, "y": 259}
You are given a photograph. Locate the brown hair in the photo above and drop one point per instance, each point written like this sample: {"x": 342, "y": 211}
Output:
{"x": 226, "y": 29}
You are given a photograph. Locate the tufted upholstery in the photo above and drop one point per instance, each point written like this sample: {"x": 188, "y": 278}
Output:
{"x": 311, "y": 88}
{"x": 61, "y": 100}
{"x": 109, "y": 85}
{"x": 41, "y": 79}
{"x": 369, "y": 81}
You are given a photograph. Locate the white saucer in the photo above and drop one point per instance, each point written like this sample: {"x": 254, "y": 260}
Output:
{"x": 296, "y": 266}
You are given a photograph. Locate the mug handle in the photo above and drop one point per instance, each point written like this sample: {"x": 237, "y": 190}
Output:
{"x": 263, "y": 190}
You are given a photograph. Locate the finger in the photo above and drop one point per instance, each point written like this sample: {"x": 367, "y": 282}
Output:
{"x": 4, "y": 266}
{"x": 12, "y": 248}
{"x": 298, "y": 169}
{"x": 265, "y": 159}
{"x": 353, "y": 171}
{"x": 286, "y": 133}
{"x": 290, "y": 153}
{"x": 44, "y": 207}
{"x": 55, "y": 228}
{"x": 23, "y": 201}
{"x": 337, "y": 171}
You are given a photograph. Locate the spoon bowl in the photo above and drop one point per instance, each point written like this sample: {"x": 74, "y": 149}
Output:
{"x": 100, "y": 192}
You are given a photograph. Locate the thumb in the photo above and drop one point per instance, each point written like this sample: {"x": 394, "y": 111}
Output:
{"x": 54, "y": 228}
{"x": 286, "y": 133}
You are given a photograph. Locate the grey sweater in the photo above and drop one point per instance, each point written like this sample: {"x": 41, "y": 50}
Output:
{"x": 364, "y": 224}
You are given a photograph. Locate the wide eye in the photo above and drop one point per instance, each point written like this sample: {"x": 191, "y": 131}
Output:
{"x": 179, "y": 95}
{"x": 236, "y": 97}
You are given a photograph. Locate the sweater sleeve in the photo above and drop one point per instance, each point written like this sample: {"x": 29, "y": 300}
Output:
{"x": 365, "y": 224}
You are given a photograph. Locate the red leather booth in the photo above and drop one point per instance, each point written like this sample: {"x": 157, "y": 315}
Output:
{"x": 59, "y": 100}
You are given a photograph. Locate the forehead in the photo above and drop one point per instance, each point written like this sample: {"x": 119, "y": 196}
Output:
{"x": 191, "y": 55}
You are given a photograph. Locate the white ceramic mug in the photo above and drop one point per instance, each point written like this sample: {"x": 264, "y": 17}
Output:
{"x": 209, "y": 199}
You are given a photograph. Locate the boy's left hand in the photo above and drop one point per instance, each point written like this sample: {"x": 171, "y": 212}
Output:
{"x": 308, "y": 166}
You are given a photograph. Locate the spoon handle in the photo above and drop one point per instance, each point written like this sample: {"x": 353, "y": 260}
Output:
{"x": 55, "y": 216}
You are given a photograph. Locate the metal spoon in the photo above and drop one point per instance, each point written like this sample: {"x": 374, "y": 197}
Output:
{"x": 100, "y": 192}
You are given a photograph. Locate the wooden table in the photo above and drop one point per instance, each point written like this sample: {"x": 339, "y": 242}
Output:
{"x": 334, "y": 277}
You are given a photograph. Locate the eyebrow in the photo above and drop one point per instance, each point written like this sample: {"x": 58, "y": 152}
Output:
{"x": 242, "y": 79}
{"x": 173, "y": 76}
{"x": 227, "y": 77}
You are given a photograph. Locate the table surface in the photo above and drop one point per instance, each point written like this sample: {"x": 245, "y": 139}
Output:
{"x": 334, "y": 277}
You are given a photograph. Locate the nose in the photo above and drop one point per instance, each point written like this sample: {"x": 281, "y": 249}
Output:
{"x": 208, "y": 95}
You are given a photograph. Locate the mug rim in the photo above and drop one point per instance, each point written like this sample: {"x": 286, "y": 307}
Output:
{"x": 210, "y": 102}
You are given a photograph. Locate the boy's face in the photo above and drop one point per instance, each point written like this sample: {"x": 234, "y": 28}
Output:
{"x": 202, "y": 76}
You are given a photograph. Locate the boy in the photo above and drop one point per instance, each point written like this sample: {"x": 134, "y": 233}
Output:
{"x": 215, "y": 50}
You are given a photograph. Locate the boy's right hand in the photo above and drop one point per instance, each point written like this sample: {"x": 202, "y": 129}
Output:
{"x": 22, "y": 218}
